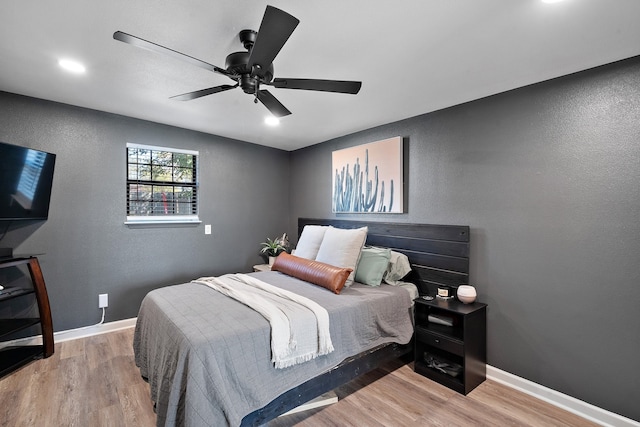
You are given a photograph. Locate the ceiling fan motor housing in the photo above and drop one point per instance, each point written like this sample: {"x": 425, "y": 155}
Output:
{"x": 237, "y": 64}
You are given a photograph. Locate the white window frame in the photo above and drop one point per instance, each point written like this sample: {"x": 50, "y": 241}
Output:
{"x": 169, "y": 220}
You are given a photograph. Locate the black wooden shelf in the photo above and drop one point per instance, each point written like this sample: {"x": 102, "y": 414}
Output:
{"x": 9, "y": 326}
{"x": 16, "y": 357}
{"x": 13, "y": 357}
{"x": 454, "y": 383}
{"x": 8, "y": 293}
{"x": 452, "y": 332}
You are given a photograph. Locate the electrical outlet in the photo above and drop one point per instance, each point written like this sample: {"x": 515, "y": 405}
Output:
{"x": 207, "y": 229}
{"x": 103, "y": 300}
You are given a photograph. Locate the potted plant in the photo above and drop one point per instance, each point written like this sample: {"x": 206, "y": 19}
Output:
{"x": 273, "y": 248}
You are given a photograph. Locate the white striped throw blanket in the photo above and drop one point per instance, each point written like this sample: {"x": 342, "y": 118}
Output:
{"x": 299, "y": 326}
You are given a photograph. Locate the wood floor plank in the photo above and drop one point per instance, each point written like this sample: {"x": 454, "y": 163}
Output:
{"x": 99, "y": 350}
{"x": 373, "y": 409}
{"x": 521, "y": 406}
{"x": 137, "y": 407}
{"x": 75, "y": 388}
{"x": 463, "y": 411}
{"x": 110, "y": 416}
{"x": 44, "y": 385}
{"x": 128, "y": 372}
{"x": 120, "y": 345}
{"x": 71, "y": 348}
{"x": 106, "y": 392}
{"x": 94, "y": 382}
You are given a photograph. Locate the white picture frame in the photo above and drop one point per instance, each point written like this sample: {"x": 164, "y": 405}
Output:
{"x": 368, "y": 178}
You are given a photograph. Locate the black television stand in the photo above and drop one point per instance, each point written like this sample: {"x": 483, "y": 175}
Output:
{"x": 14, "y": 356}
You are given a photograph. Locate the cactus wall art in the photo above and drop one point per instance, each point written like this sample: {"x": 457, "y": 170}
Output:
{"x": 368, "y": 178}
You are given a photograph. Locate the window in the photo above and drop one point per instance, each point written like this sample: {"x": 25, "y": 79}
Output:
{"x": 162, "y": 185}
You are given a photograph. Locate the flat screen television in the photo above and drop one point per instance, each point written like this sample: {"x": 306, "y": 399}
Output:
{"x": 26, "y": 176}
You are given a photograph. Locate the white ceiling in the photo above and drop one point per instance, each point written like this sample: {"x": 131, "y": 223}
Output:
{"x": 413, "y": 57}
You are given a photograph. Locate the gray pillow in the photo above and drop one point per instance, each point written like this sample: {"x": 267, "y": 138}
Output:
{"x": 372, "y": 265}
{"x": 399, "y": 267}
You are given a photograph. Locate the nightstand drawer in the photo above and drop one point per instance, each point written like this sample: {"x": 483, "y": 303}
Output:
{"x": 438, "y": 341}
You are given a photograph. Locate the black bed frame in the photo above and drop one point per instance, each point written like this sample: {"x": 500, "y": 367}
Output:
{"x": 439, "y": 255}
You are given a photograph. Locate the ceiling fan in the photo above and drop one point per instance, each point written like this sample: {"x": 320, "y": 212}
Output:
{"x": 253, "y": 68}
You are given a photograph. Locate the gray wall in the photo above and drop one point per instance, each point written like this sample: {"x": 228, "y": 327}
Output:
{"x": 548, "y": 178}
{"x": 87, "y": 248}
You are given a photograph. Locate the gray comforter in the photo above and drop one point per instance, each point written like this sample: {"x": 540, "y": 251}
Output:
{"x": 207, "y": 357}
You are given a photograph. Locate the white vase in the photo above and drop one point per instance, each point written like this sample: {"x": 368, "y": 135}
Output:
{"x": 271, "y": 260}
{"x": 467, "y": 294}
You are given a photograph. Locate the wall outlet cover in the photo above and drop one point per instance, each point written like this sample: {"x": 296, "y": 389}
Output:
{"x": 103, "y": 300}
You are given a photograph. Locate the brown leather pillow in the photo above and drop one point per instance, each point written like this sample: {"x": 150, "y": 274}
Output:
{"x": 318, "y": 273}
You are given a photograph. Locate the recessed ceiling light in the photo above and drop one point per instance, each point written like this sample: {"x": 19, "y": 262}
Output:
{"x": 73, "y": 66}
{"x": 551, "y": 1}
{"x": 272, "y": 121}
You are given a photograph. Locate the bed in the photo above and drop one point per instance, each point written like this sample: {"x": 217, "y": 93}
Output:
{"x": 207, "y": 357}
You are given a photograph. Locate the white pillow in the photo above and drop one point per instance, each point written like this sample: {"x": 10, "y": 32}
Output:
{"x": 310, "y": 240}
{"x": 342, "y": 247}
{"x": 399, "y": 267}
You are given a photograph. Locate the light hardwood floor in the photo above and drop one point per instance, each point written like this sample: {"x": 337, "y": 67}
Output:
{"x": 94, "y": 382}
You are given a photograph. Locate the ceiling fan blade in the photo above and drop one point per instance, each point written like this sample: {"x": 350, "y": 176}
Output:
{"x": 203, "y": 92}
{"x": 145, "y": 44}
{"x": 340, "y": 86}
{"x": 272, "y": 104}
{"x": 275, "y": 29}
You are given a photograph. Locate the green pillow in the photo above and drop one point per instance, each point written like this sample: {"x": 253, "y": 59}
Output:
{"x": 372, "y": 265}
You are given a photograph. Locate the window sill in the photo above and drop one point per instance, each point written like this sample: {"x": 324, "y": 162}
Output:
{"x": 137, "y": 222}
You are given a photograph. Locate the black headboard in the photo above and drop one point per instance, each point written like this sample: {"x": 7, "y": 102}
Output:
{"x": 439, "y": 254}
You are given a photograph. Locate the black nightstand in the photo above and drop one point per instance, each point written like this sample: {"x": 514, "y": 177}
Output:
{"x": 454, "y": 356}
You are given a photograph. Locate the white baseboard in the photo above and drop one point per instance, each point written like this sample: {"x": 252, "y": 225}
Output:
{"x": 73, "y": 334}
{"x": 88, "y": 331}
{"x": 566, "y": 402}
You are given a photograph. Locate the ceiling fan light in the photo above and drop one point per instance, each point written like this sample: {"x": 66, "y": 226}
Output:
{"x": 73, "y": 66}
{"x": 272, "y": 121}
